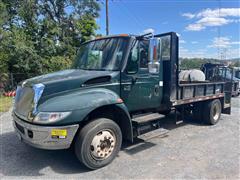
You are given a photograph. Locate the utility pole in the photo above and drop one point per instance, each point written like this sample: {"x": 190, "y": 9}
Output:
{"x": 107, "y": 23}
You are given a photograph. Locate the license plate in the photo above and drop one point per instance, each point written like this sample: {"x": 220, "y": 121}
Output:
{"x": 59, "y": 132}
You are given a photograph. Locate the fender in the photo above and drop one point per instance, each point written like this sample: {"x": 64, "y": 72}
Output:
{"x": 83, "y": 102}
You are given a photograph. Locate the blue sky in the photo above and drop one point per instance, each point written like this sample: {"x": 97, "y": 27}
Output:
{"x": 207, "y": 28}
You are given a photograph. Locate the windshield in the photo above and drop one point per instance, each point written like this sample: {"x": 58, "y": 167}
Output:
{"x": 103, "y": 54}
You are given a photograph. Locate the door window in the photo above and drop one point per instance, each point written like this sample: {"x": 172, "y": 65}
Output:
{"x": 166, "y": 44}
{"x": 132, "y": 66}
{"x": 143, "y": 53}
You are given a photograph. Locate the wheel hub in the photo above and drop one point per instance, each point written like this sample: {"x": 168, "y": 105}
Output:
{"x": 103, "y": 144}
{"x": 216, "y": 113}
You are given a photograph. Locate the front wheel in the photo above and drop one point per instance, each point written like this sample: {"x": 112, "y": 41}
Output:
{"x": 98, "y": 143}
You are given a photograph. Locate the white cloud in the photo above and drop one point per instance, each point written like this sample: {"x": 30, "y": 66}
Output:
{"x": 235, "y": 43}
{"x": 195, "y": 27}
{"x": 220, "y": 42}
{"x": 182, "y": 41}
{"x": 188, "y": 15}
{"x": 220, "y": 46}
{"x": 219, "y": 12}
{"x": 186, "y": 53}
{"x": 212, "y": 17}
{"x": 194, "y": 42}
{"x": 149, "y": 30}
{"x": 223, "y": 42}
{"x": 213, "y": 21}
{"x": 226, "y": 46}
{"x": 233, "y": 53}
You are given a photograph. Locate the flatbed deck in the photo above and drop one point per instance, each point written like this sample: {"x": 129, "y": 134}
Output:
{"x": 194, "y": 92}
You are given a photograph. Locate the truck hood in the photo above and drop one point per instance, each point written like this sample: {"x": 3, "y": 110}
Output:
{"x": 70, "y": 79}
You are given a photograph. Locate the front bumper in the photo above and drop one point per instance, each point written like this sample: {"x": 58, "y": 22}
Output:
{"x": 40, "y": 136}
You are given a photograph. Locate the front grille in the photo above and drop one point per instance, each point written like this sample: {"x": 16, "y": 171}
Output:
{"x": 20, "y": 128}
{"x": 24, "y": 101}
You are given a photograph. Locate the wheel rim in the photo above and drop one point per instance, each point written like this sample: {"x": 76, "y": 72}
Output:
{"x": 216, "y": 112}
{"x": 103, "y": 144}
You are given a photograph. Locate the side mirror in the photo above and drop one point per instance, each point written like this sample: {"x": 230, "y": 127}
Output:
{"x": 154, "y": 55}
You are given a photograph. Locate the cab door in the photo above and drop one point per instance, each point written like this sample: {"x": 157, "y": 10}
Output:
{"x": 139, "y": 88}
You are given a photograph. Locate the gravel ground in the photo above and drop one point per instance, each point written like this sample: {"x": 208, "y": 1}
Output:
{"x": 191, "y": 150}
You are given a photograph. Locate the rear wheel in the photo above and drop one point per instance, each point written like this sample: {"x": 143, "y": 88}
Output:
{"x": 212, "y": 112}
{"x": 98, "y": 143}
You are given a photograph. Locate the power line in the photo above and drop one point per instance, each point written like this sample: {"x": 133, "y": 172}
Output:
{"x": 131, "y": 15}
{"x": 107, "y": 18}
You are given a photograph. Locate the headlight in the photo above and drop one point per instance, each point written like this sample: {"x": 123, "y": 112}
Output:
{"x": 49, "y": 117}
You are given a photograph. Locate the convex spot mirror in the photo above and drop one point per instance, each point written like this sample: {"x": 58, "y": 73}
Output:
{"x": 154, "y": 55}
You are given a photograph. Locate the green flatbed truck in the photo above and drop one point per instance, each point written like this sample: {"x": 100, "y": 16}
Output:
{"x": 115, "y": 90}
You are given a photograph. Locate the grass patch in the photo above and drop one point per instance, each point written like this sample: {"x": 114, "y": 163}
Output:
{"x": 5, "y": 103}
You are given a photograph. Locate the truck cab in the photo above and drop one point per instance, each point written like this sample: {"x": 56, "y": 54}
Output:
{"x": 220, "y": 72}
{"x": 115, "y": 82}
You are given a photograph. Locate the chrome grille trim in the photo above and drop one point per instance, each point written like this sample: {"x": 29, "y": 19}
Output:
{"x": 26, "y": 101}
{"x": 38, "y": 90}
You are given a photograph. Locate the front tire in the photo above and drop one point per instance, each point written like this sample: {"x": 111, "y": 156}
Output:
{"x": 212, "y": 112}
{"x": 98, "y": 143}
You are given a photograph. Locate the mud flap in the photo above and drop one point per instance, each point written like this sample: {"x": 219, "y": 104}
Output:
{"x": 227, "y": 98}
{"x": 227, "y": 110}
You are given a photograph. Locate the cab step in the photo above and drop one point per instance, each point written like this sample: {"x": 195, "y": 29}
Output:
{"x": 146, "y": 118}
{"x": 147, "y": 123}
{"x": 161, "y": 132}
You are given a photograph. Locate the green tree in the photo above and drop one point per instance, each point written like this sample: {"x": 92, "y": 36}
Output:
{"x": 236, "y": 64}
{"x": 40, "y": 36}
{"x": 192, "y": 63}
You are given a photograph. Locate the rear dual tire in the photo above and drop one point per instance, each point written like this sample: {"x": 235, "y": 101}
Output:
{"x": 208, "y": 112}
{"x": 212, "y": 112}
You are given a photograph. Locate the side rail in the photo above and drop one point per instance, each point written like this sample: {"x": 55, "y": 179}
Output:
{"x": 189, "y": 93}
